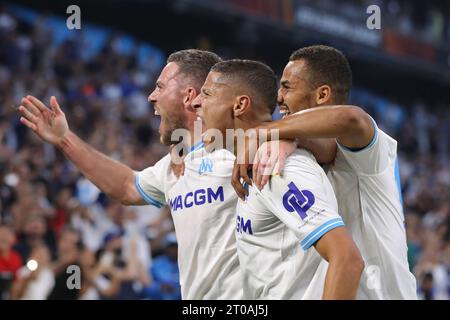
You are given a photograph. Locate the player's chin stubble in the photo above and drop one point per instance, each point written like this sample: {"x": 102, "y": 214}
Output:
{"x": 166, "y": 136}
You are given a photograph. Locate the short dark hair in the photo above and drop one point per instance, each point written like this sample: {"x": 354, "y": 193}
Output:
{"x": 194, "y": 64}
{"x": 326, "y": 65}
{"x": 258, "y": 77}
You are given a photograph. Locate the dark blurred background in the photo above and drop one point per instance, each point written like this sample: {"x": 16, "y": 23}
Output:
{"x": 102, "y": 75}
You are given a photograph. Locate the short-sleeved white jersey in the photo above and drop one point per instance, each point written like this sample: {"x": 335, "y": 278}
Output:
{"x": 277, "y": 226}
{"x": 367, "y": 187}
{"x": 203, "y": 206}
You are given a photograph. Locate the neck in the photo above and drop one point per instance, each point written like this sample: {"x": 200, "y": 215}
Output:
{"x": 250, "y": 128}
{"x": 247, "y": 124}
{"x": 196, "y": 132}
{"x": 243, "y": 125}
{"x": 194, "y": 137}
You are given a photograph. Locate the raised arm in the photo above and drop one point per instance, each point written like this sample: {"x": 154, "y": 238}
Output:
{"x": 112, "y": 177}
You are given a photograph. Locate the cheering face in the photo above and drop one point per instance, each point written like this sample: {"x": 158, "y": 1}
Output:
{"x": 295, "y": 93}
{"x": 167, "y": 99}
{"x": 214, "y": 105}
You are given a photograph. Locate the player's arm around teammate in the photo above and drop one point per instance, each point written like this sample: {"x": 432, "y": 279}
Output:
{"x": 350, "y": 125}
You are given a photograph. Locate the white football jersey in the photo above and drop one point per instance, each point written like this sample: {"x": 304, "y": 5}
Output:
{"x": 367, "y": 187}
{"x": 154, "y": 182}
{"x": 277, "y": 226}
{"x": 203, "y": 206}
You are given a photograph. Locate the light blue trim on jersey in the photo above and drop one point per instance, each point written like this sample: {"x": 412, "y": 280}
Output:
{"x": 197, "y": 146}
{"x": 320, "y": 231}
{"x": 397, "y": 180}
{"x": 372, "y": 142}
{"x": 145, "y": 196}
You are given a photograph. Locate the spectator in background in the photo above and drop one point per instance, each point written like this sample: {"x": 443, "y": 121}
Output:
{"x": 124, "y": 221}
{"x": 100, "y": 91}
{"x": 33, "y": 233}
{"x": 423, "y": 122}
{"x": 98, "y": 280}
{"x": 60, "y": 216}
{"x": 165, "y": 274}
{"x": 158, "y": 228}
{"x": 35, "y": 280}
{"x": 436, "y": 25}
{"x": 426, "y": 291}
{"x": 7, "y": 195}
{"x": 90, "y": 222}
{"x": 69, "y": 250}
{"x": 432, "y": 263}
{"x": 10, "y": 261}
{"x": 125, "y": 277}
{"x": 413, "y": 236}
{"x": 41, "y": 191}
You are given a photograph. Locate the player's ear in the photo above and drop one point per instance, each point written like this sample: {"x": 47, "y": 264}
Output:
{"x": 189, "y": 96}
{"x": 241, "y": 105}
{"x": 323, "y": 95}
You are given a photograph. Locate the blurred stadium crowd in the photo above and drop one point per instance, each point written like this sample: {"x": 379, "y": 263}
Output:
{"x": 51, "y": 214}
{"x": 421, "y": 19}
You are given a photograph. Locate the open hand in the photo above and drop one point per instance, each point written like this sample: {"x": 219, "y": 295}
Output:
{"x": 49, "y": 124}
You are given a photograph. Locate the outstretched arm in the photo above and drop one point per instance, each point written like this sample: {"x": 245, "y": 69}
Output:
{"x": 110, "y": 176}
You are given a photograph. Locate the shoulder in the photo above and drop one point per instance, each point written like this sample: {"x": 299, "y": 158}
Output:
{"x": 164, "y": 161}
{"x": 161, "y": 165}
{"x": 301, "y": 160}
{"x": 219, "y": 162}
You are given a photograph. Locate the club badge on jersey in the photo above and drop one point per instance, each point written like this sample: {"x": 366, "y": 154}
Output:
{"x": 205, "y": 166}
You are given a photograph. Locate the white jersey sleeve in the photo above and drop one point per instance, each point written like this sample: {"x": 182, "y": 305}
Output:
{"x": 373, "y": 158}
{"x": 303, "y": 199}
{"x": 151, "y": 181}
